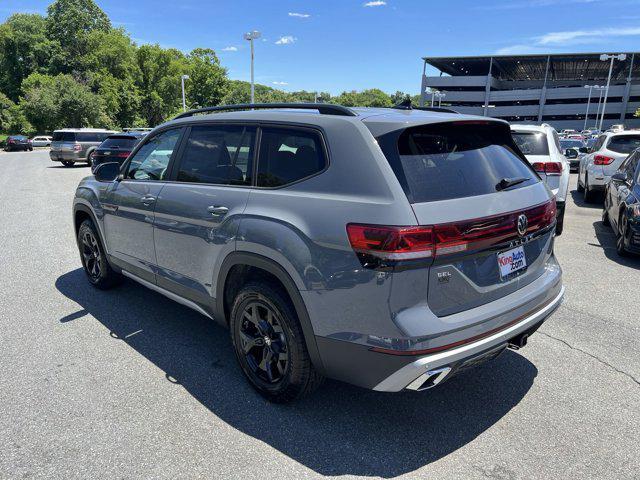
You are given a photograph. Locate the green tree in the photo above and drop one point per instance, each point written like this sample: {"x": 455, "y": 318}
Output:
{"x": 367, "y": 98}
{"x": 54, "y": 102}
{"x": 637, "y": 114}
{"x": 24, "y": 49}
{"x": 207, "y": 79}
{"x": 5, "y": 112}
{"x": 69, "y": 23}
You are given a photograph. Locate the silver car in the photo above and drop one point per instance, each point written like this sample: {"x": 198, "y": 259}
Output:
{"x": 72, "y": 145}
{"x": 391, "y": 249}
{"x": 604, "y": 159}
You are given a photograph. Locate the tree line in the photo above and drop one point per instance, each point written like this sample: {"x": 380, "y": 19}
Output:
{"x": 73, "y": 68}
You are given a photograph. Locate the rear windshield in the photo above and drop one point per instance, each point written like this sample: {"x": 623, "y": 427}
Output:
{"x": 571, "y": 144}
{"x": 531, "y": 143}
{"x": 64, "y": 136}
{"x": 120, "y": 143}
{"x": 445, "y": 161}
{"x": 624, "y": 143}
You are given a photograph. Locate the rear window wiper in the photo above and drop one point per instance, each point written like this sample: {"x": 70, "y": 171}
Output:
{"x": 510, "y": 182}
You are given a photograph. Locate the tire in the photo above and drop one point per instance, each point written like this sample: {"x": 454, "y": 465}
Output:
{"x": 560, "y": 223}
{"x": 88, "y": 159}
{"x": 588, "y": 194}
{"x": 269, "y": 343}
{"x": 605, "y": 216}
{"x": 620, "y": 236}
{"x": 580, "y": 187}
{"x": 94, "y": 260}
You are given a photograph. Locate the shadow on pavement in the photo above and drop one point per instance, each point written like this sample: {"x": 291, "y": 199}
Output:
{"x": 607, "y": 240}
{"x": 339, "y": 430}
{"x": 578, "y": 199}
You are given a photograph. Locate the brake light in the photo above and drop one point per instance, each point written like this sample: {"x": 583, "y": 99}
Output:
{"x": 391, "y": 243}
{"x": 408, "y": 243}
{"x": 602, "y": 160}
{"x": 122, "y": 154}
{"x": 77, "y": 147}
{"x": 548, "y": 168}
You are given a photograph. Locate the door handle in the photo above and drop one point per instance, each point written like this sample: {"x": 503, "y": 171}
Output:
{"x": 217, "y": 210}
{"x": 148, "y": 199}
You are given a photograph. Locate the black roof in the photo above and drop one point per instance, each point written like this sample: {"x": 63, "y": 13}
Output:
{"x": 562, "y": 66}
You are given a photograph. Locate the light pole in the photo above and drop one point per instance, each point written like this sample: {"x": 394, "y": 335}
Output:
{"x": 604, "y": 57}
{"x": 184, "y": 101}
{"x": 600, "y": 89}
{"x": 439, "y": 95}
{"x": 251, "y": 36}
{"x": 586, "y": 115}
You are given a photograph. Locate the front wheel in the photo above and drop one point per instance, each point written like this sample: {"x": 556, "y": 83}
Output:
{"x": 67, "y": 163}
{"x": 94, "y": 260}
{"x": 560, "y": 223}
{"x": 269, "y": 343}
{"x": 621, "y": 236}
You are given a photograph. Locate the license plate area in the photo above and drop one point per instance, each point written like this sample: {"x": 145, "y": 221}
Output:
{"x": 511, "y": 262}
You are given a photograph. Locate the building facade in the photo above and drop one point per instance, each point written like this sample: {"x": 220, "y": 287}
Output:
{"x": 557, "y": 89}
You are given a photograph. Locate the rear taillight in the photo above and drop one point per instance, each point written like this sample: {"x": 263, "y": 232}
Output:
{"x": 122, "y": 154}
{"x": 409, "y": 243}
{"x": 548, "y": 168}
{"x": 602, "y": 160}
{"x": 391, "y": 243}
{"x": 77, "y": 147}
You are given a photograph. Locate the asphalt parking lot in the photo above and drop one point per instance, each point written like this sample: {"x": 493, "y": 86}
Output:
{"x": 126, "y": 383}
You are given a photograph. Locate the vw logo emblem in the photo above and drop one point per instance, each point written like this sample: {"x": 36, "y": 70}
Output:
{"x": 523, "y": 223}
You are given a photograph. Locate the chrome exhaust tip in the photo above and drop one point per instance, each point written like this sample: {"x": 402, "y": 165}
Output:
{"x": 429, "y": 379}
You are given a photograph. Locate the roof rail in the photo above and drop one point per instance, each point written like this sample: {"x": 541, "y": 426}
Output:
{"x": 323, "y": 108}
{"x": 436, "y": 109}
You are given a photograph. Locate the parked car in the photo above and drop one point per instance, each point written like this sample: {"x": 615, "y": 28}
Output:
{"x": 566, "y": 132}
{"x": 616, "y": 128}
{"x": 541, "y": 145}
{"x": 18, "y": 143}
{"x": 73, "y": 145}
{"x": 386, "y": 248}
{"x": 605, "y": 158}
{"x": 622, "y": 205}
{"x": 573, "y": 150}
{"x": 115, "y": 148}
{"x": 41, "y": 141}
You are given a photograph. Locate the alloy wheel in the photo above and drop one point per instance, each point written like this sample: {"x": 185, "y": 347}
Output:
{"x": 91, "y": 255}
{"x": 264, "y": 343}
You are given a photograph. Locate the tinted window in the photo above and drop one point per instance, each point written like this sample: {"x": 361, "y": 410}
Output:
{"x": 630, "y": 164}
{"x": 151, "y": 161}
{"x": 218, "y": 154}
{"x": 120, "y": 143}
{"x": 624, "y": 143}
{"x": 64, "y": 137}
{"x": 440, "y": 162}
{"x": 531, "y": 143}
{"x": 288, "y": 155}
{"x": 570, "y": 144}
{"x": 91, "y": 136}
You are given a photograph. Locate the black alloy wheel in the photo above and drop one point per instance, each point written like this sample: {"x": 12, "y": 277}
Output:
{"x": 91, "y": 255}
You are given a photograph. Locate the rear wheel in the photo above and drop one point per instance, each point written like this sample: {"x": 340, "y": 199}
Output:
{"x": 588, "y": 193}
{"x": 269, "y": 343}
{"x": 560, "y": 223}
{"x": 605, "y": 216}
{"x": 67, "y": 163}
{"x": 580, "y": 187}
{"x": 94, "y": 260}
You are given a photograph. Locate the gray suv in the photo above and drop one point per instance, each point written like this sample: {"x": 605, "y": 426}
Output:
{"x": 72, "y": 145}
{"x": 387, "y": 248}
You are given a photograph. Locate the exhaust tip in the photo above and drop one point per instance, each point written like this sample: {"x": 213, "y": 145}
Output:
{"x": 429, "y": 379}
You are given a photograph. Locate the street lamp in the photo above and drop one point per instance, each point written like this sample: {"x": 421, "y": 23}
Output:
{"x": 600, "y": 89}
{"x": 586, "y": 115}
{"x": 439, "y": 95}
{"x": 604, "y": 57}
{"x": 184, "y": 101}
{"x": 251, "y": 36}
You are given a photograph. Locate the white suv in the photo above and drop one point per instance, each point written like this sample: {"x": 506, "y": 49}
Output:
{"x": 541, "y": 145}
{"x": 604, "y": 159}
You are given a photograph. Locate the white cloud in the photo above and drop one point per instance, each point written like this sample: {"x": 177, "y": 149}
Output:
{"x": 299, "y": 15}
{"x": 280, "y": 83}
{"x": 374, "y": 3}
{"x": 230, "y": 49}
{"x": 585, "y": 36}
{"x": 286, "y": 40}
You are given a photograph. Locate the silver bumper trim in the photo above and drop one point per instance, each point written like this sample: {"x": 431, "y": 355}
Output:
{"x": 411, "y": 373}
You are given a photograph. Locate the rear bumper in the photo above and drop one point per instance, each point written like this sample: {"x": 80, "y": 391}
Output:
{"x": 414, "y": 375}
{"x": 59, "y": 156}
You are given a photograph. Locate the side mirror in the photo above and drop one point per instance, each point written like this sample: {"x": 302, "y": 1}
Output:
{"x": 619, "y": 177}
{"x": 107, "y": 172}
{"x": 570, "y": 153}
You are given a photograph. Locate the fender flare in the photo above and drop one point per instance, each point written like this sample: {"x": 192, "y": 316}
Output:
{"x": 81, "y": 207}
{"x": 264, "y": 263}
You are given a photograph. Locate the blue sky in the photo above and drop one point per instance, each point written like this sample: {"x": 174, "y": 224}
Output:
{"x": 336, "y": 45}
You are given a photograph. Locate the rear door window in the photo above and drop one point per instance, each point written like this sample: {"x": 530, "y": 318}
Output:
{"x": 217, "y": 154}
{"x": 446, "y": 161}
{"x": 624, "y": 143}
{"x": 64, "y": 137}
{"x": 531, "y": 143}
{"x": 288, "y": 155}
